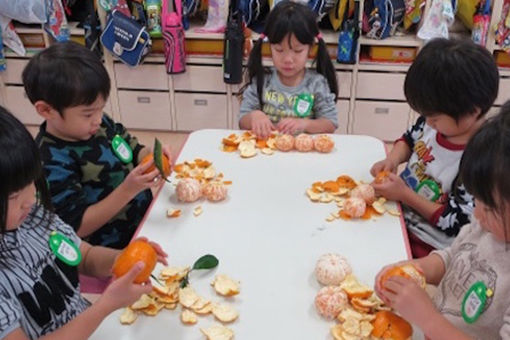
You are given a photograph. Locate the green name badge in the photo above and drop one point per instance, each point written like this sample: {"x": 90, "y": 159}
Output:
{"x": 474, "y": 301}
{"x": 64, "y": 249}
{"x": 122, "y": 149}
{"x": 428, "y": 189}
{"x": 303, "y": 104}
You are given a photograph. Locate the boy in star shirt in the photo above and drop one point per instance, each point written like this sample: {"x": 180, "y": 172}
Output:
{"x": 93, "y": 165}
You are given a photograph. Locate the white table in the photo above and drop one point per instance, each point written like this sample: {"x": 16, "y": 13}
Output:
{"x": 268, "y": 235}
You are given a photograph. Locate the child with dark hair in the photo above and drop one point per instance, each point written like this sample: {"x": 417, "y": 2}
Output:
{"x": 39, "y": 287}
{"x": 474, "y": 272}
{"x": 290, "y": 98}
{"x": 93, "y": 165}
{"x": 451, "y": 84}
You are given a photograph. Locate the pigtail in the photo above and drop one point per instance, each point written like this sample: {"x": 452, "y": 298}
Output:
{"x": 255, "y": 69}
{"x": 325, "y": 66}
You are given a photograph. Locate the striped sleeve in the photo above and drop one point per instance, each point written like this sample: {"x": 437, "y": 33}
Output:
{"x": 10, "y": 314}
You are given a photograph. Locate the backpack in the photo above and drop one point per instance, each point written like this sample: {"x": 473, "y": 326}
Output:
{"x": 382, "y": 17}
{"x": 321, "y": 7}
{"x": 348, "y": 37}
{"x": 254, "y": 13}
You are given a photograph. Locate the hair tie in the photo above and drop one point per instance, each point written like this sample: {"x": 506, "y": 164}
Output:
{"x": 319, "y": 36}
{"x": 262, "y": 36}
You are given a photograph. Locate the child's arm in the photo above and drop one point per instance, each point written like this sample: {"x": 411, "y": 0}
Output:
{"x": 258, "y": 122}
{"x": 98, "y": 214}
{"x": 395, "y": 189}
{"x": 449, "y": 217}
{"x": 121, "y": 292}
{"x": 251, "y": 116}
{"x": 399, "y": 154}
{"x": 414, "y": 305}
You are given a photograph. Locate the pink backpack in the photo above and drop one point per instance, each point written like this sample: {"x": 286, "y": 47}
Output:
{"x": 173, "y": 35}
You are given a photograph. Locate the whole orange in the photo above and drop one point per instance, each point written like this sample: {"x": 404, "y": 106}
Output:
{"x": 136, "y": 251}
{"x": 165, "y": 162}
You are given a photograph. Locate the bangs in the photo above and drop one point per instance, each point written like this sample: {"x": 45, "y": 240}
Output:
{"x": 73, "y": 90}
{"x": 289, "y": 18}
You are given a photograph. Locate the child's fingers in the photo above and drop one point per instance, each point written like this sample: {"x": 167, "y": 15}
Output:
{"x": 133, "y": 272}
{"x": 142, "y": 167}
{"x": 150, "y": 176}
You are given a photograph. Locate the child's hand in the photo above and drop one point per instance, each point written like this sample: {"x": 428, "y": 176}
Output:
{"x": 162, "y": 255}
{"x": 384, "y": 165}
{"x": 137, "y": 181}
{"x": 377, "y": 283}
{"x": 408, "y": 299}
{"x": 123, "y": 292}
{"x": 392, "y": 188}
{"x": 261, "y": 125}
{"x": 292, "y": 126}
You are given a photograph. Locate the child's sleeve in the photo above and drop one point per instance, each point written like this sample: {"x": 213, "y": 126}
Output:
{"x": 10, "y": 314}
{"x": 447, "y": 253}
{"x": 131, "y": 140}
{"x": 250, "y": 101}
{"x": 456, "y": 211}
{"x": 413, "y": 133}
{"x": 324, "y": 105}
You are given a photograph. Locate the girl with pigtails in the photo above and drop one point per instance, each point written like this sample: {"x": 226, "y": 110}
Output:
{"x": 289, "y": 97}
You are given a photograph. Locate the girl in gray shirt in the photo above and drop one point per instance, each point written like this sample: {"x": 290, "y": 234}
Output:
{"x": 289, "y": 97}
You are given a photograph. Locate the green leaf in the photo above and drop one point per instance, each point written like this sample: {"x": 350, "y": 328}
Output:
{"x": 184, "y": 281}
{"x": 206, "y": 262}
{"x": 158, "y": 157}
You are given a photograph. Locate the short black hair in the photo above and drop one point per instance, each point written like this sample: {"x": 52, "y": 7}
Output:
{"x": 452, "y": 77}
{"x": 65, "y": 75}
{"x": 20, "y": 164}
{"x": 485, "y": 163}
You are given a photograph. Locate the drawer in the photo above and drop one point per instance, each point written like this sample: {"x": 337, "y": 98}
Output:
{"x": 344, "y": 84}
{"x": 12, "y": 74}
{"x": 384, "y": 120}
{"x": 200, "y": 111}
{"x": 147, "y": 76}
{"x": 200, "y": 78}
{"x": 145, "y": 110}
{"x": 342, "y": 107}
{"x": 504, "y": 91}
{"x": 17, "y": 102}
{"x": 373, "y": 85}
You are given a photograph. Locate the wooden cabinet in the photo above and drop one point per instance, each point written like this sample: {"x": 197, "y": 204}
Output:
{"x": 196, "y": 111}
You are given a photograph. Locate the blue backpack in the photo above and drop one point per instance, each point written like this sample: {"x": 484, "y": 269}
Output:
{"x": 254, "y": 13}
{"x": 382, "y": 17}
{"x": 321, "y": 7}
